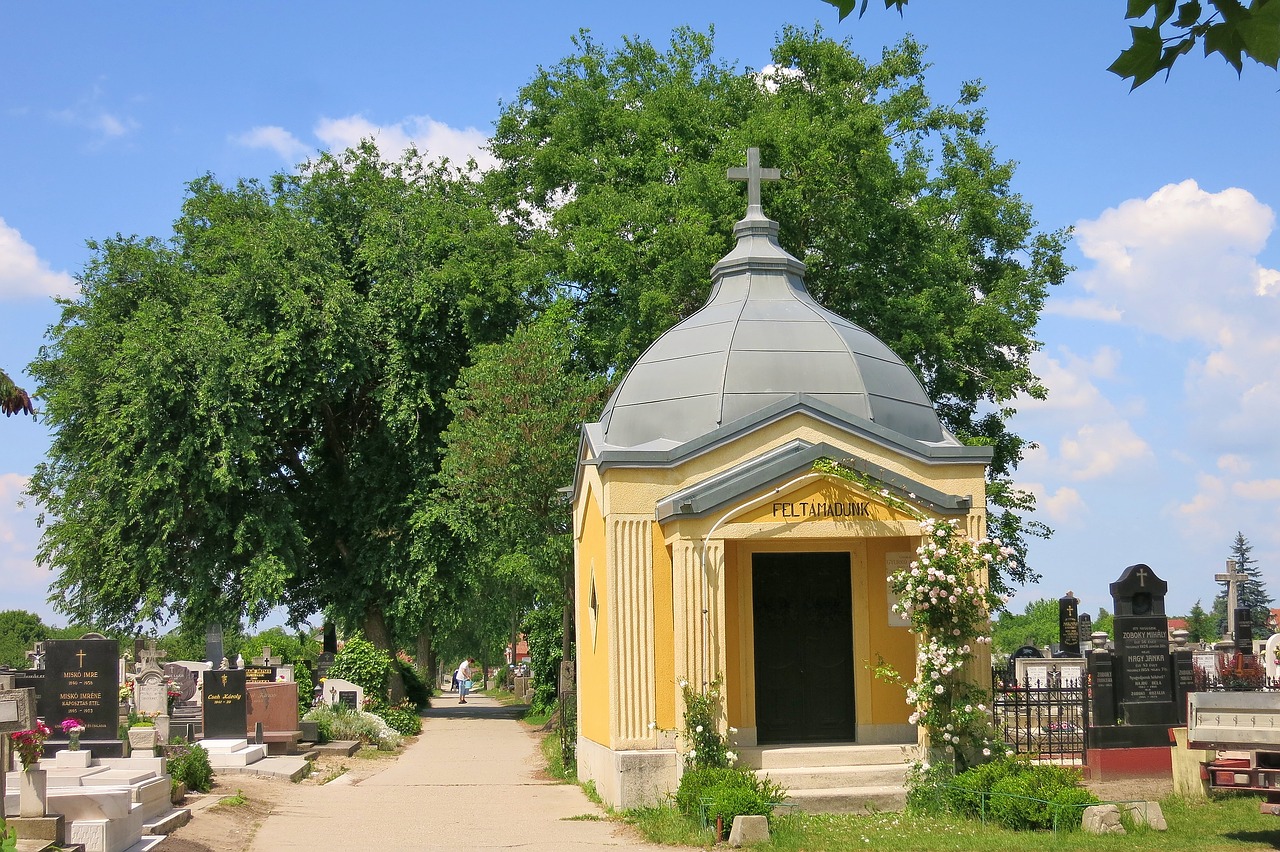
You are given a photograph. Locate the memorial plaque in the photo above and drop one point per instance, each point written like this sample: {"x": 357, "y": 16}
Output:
{"x": 82, "y": 681}
{"x": 349, "y": 699}
{"x": 150, "y": 693}
{"x": 260, "y": 674}
{"x": 226, "y": 713}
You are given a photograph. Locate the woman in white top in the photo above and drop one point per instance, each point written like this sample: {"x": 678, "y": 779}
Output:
{"x": 464, "y": 679}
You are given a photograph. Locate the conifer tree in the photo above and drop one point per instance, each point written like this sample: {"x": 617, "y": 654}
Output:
{"x": 1251, "y": 594}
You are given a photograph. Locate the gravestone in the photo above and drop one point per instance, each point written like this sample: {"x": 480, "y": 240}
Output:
{"x": 259, "y": 674}
{"x": 344, "y": 692}
{"x": 183, "y": 679}
{"x": 274, "y": 706}
{"x": 150, "y": 693}
{"x": 1102, "y": 685}
{"x": 17, "y": 713}
{"x": 1026, "y": 652}
{"x": 1069, "y": 626}
{"x": 225, "y": 708}
{"x": 1244, "y": 630}
{"x": 213, "y": 643}
{"x": 1144, "y": 677}
{"x": 1084, "y": 625}
{"x": 82, "y": 681}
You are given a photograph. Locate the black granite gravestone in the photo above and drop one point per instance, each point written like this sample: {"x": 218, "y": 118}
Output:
{"x": 213, "y": 652}
{"x": 260, "y": 674}
{"x": 1184, "y": 681}
{"x": 1145, "y": 675}
{"x": 348, "y": 699}
{"x": 1102, "y": 685}
{"x": 1026, "y": 652}
{"x": 1069, "y": 626}
{"x": 82, "y": 681}
{"x": 226, "y": 714}
{"x": 1244, "y": 630}
{"x": 1085, "y": 626}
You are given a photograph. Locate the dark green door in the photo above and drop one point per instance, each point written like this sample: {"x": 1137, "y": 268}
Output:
{"x": 803, "y": 610}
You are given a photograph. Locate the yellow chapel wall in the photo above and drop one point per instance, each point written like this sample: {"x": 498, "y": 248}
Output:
{"x": 664, "y": 632}
{"x": 593, "y": 638}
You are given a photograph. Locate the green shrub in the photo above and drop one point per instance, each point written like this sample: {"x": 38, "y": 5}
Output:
{"x": 725, "y": 790}
{"x": 189, "y": 764}
{"x": 415, "y": 688}
{"x": 963, "y": 794}
{"x": 403, "y": 718}
{"x": 306, "y": 689}
{"x": 1031, "y": 798}
{"x": 362, "y": 663}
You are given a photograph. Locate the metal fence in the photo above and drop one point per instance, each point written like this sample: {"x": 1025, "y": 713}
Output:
{"x": 1047, "y": 719}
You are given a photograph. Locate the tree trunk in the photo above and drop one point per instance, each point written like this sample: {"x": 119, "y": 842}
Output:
{"x": 426, "y": 658}
{"x": 375, "y": 630}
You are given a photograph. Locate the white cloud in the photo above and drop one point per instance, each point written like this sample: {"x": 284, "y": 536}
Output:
{"x": 23, "y": 274}
{"x": 1087, "y": 309}
{"x": 1238, "y": 465}
{"x": 1097, "y": 450}
{"x": 277, "y": 139}
{"x": 433, "y": 139}
{"x": 105, "y": 124}
{"x": 1063, "y": 506}
{"x": 1257, "y": 489}
{"x": 1182, "y": 265}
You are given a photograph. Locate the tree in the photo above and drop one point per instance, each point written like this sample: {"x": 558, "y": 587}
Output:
{"x": 900, "y": 208}
{"x": 248, "y": 415}
{"x": 1201, "y": 626}
{"x": 19, "y": 631}
{"x": 1251, "y": 593}
{"x": 1226, "y": 27}
{"x": 13, "y": 399}
{"x": 510, "y": 448}
{"x": 1037, "y": 625}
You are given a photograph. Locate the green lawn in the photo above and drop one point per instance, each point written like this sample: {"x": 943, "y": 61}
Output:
{"x": 1222, "y": 824}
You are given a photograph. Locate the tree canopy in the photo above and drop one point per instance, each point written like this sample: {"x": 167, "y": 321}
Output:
{"x": 1251, "y": 592}
{"x": 1230, "y": 28}
{"x": 900, "y": 207}
{"x": 248, "y": 415}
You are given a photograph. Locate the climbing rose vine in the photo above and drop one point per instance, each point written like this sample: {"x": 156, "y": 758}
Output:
{"x": 944, "y": 595}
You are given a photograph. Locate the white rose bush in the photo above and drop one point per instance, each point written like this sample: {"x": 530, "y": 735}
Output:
{"x": 944, "y": 594}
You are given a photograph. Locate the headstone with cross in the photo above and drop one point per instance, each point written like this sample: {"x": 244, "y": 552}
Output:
{"x": 1144, "y": 674}
{"x": 265, "y": 658}
{"x": 150, "y": 657}
{"x": 1233, "y": 579}
{"x": 753, "y": 174}
{"x": 82, "y": 681}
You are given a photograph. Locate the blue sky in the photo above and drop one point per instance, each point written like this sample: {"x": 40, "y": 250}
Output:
{"x": 1158, "y": 440}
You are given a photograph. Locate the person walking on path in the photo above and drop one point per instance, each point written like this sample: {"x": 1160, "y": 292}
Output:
{"x": 464, "y": 679}
{"x": 473, "y": 766}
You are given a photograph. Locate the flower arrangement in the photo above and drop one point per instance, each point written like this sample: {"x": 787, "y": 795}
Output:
{"x": 29, "y": 744}
{"x": 949, "y": 607}
{"x": 73, "y": 728}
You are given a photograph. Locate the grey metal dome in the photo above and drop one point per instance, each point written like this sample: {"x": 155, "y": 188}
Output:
{"x": 762, "y": 339}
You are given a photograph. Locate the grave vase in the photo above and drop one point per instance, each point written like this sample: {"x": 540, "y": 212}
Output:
{"x": 33, "y": 792}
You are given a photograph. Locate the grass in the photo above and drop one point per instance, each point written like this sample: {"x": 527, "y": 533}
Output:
{"x": 337, "y": 772}
{"x": 1223, "y": 825}
{"x": 234, "y": 801}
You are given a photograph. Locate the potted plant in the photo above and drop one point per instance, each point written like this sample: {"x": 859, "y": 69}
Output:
{"x": 29, "y": 745}
{"x": 142, "y": 731}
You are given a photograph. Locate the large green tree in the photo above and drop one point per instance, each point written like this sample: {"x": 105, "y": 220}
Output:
{"x": 509, "y": 450}
{"x": 1233, "y": 29}
{"x": 900, "y": 207}
{"x": 248, "y": 414}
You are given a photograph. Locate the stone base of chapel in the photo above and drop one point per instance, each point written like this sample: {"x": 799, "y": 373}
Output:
{"x": 629, "y": 778}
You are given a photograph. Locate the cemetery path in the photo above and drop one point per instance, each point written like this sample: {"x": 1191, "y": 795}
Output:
{"x": 473, "y": 780}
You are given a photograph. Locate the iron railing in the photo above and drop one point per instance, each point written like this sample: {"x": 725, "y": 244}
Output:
{"x": 1047, "y": 719}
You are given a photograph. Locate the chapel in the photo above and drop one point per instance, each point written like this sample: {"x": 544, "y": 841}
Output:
{"x": 708, "y": 548}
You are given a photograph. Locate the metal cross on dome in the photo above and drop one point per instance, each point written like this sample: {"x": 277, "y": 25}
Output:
{"x": 753, "y": 174}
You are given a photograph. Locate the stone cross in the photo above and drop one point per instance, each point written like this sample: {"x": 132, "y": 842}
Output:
{"x": 1232, "y": 578}
{"x": 150, "y": 655}
{"x": 265, "y": 658}
{"x": 753, "y": 174}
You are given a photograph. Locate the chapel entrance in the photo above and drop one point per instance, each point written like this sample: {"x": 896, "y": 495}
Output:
{"x": 803, "y": 624}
